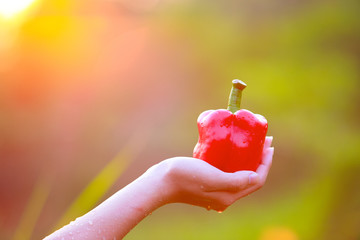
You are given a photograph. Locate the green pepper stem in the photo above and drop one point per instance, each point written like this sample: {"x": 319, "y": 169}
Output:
{"x": 235, "y": 95}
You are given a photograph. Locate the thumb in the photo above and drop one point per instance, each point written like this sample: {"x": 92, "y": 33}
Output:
{"x": 233, "y": 182}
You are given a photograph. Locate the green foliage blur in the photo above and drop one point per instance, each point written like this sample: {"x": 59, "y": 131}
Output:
{"x": 301, "y": 63}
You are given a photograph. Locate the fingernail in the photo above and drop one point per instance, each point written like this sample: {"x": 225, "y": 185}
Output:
{"x": 272, "y": 149}
{"x": 253, "y": 178}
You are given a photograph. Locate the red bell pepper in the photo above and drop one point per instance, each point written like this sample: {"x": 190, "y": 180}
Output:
{"x": 232, "y": 139}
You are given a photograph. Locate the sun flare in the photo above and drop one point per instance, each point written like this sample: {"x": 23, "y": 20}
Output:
{"x": 9, "y": 8}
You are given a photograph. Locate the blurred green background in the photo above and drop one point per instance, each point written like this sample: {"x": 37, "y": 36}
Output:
{"x": 95, "y": 92}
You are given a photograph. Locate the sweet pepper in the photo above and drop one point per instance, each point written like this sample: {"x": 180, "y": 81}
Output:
{"x": 231, "y": 139}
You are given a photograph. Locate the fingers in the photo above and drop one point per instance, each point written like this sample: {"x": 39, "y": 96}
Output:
{"x": 232, "y": 182}
{"x": 257, "y": 180}
{"x": 268, "y": 141}
{"x": 262, "y": 172}
{"x": 264, "y": 167}
{"x": 235, "y": 182}
{"x": 267, "y": 156}
{"x": 201, "y": 184}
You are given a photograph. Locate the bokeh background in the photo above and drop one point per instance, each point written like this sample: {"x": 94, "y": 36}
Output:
{"x": 94, "y": 92}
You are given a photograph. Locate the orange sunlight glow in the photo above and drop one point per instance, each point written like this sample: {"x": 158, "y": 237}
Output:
{"x": 13, "y": 7}
{"x": 279, "y": 233}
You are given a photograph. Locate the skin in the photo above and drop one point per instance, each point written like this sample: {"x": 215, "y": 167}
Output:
{"x": 175, "y": 180}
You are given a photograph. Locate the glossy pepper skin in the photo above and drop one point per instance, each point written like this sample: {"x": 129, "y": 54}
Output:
{"x": 231, "y": 141}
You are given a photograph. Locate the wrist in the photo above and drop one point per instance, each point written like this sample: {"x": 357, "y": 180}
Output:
{"x": 131, "y": 204}
{"x": 155, "y": 184}
{"x": 171, "y": 179}
{"x": 161, "y": 178}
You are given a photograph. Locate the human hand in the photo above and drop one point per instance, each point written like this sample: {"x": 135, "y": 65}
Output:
{"x": 179, "y": 179}
{"x": 193, "y": 181}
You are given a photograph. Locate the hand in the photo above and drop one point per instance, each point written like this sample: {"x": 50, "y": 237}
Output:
{"x": 193, "y": 181}
{"x": 180, "y": 179}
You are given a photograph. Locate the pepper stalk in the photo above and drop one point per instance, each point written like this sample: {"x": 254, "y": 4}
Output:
{"x": 235, "y": 95}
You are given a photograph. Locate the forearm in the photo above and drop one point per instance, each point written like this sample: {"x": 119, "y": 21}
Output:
{"x": 116, "y": 216}
{"x": 180, "y": 179}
